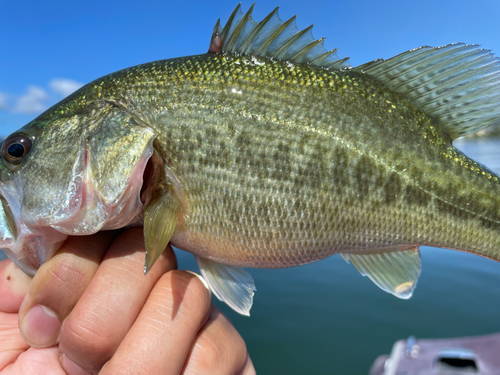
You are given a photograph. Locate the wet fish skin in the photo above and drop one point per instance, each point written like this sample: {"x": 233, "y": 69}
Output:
{"x": 264, "y": 155}
{"x": 285, "y": 164}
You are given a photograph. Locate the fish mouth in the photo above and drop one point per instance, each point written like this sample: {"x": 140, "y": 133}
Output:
{"x": 9, "y": 239}
{"x": 8, "y": 226}
{"x": 27, "y": 247}
{"x": 31, "y": 236}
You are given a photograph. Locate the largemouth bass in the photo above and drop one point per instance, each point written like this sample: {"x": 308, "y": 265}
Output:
{"x": 268, "y": 151}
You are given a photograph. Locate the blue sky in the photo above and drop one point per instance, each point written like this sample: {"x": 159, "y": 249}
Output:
{"x": 49, "y": 48}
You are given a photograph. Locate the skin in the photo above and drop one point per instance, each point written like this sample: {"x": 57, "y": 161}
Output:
{"x": 105, "y": 316}
{"x": 271, "y": 164}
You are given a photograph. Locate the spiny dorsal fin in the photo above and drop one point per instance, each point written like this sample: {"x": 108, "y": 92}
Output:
{"x": 457, "y": 84}
{"x": 273, "y": 38}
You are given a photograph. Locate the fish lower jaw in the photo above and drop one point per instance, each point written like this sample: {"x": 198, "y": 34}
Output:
{"x": 33, "y": 247}
{"x": 35, "y": 244}
{"x": 36, "y": 241}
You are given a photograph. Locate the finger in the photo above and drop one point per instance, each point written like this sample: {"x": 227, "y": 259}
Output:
{"x": 57, "y": 286}
{"x": 111, "y": 303}
{"x": 162, "y": 336}
{"x": 11, "y": 343}
{"x": 35, "y": 361}
{"x": 14, "y": 285}
{"x": 248, "y": 368}
{"x": 218, "y": 349}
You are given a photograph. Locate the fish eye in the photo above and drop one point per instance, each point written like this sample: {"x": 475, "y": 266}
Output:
{"x": 16, "y": 148}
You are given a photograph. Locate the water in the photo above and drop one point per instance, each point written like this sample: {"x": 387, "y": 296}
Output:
{"x": 324, "y": 318}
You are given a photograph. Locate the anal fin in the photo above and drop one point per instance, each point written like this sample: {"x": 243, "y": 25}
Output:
{"x": 395, "y": 272}
{"x": 230, "y": 284}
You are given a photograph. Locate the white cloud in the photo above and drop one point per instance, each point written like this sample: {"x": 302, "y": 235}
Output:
{"x": 3, "y": 101}
{"x": 34, "y": 101}
{"x": 64, "y": 87}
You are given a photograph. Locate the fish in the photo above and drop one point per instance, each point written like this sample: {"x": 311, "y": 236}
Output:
{"x": 268, "y": 151}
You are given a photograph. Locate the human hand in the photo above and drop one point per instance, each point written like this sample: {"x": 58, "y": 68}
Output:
{"x": 91, "y": 309}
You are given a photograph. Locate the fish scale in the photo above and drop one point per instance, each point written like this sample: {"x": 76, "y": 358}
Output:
{"x": 276, "y": 188}
{"x": 270, "y": 159}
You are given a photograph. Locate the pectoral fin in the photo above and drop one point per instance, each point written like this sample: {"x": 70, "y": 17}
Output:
{"x": 395, "y": 272}
{"x": 160, "y": 218}
{"x": 230, "y": 284}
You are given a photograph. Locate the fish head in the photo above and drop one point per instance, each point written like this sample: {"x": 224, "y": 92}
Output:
{"x": 75, "y": 170}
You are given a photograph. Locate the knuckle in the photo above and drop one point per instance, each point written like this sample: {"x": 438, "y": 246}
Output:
{"x": 82, "y": 337}
{"x": 218, "y": 348}
{"x": 208, "y": 355}
{"x": 67, "y": 275}
{"x": 58, "y": 285}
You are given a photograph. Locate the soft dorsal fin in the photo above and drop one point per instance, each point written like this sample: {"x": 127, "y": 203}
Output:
{"x": 457, "y": 84}
{"x": 273, "y": 38}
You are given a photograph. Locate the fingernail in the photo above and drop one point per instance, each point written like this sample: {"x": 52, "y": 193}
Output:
{"x": 40, "y": 327}
{"x": 71, "y": 367}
